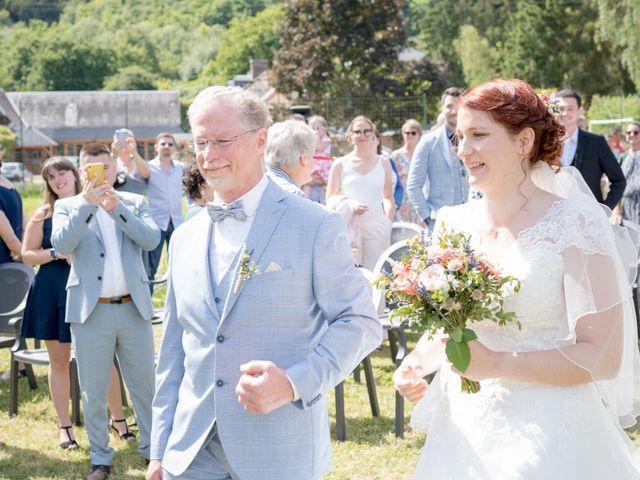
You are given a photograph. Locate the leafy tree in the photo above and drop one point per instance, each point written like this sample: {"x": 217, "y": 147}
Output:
{"x": 7, "y": 144}
{"x": 62, "y": 64}
{"x": 24, "y": 10}
{"x": 132, "y": 77}
{"x": 256, "y": 37}
{"x": 339, "y": 46}
{"x": 476, "y": 56}
{"x": 133, "y": 47}
{"x": 618, "y": 24}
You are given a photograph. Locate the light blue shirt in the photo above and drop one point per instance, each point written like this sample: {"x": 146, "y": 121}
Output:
{"x": 569, "y": 147}
{"x": 164, "y": 193}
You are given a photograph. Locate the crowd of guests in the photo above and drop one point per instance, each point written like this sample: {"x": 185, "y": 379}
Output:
{"x": 75, "y": 300}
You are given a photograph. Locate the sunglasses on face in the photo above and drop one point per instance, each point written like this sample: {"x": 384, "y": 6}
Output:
{"x": 366, "y": 132}
{"x": 166, "y": 144}
{"x": 633, "y": 132}
{"x": 412, "y": 133}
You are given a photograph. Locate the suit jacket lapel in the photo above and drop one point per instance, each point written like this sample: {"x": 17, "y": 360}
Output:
{"x": 266, "y": 219}
{"x": 577, "y": 159}
{"x": 447, "y": 150}
{"x": 95, "y": 228}
{"x": 205, "y": 275}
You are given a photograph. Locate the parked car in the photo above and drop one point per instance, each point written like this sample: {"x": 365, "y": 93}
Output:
{"x": 13, "y": 171}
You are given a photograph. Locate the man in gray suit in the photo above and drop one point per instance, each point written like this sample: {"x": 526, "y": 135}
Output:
{"x": 265, "y": 313}
{"x": 108, "y": 300}
{"x": 437, "y": 177}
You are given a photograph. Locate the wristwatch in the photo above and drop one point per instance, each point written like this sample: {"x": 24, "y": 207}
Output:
{"x": 53, "y": 253}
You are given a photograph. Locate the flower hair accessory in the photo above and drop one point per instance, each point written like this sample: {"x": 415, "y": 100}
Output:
{"x": 551, "y": 102}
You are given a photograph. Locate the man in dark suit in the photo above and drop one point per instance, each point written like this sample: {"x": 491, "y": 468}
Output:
{"x": 589, "y": 153}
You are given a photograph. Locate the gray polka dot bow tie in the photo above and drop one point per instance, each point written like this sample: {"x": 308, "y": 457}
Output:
{"x": 219, "y": 212}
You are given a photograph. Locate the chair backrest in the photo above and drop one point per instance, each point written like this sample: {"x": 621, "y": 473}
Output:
{"x": 15, "y": 280}
{"x": 383, "y": 265}
{"x": 403, "y": 231}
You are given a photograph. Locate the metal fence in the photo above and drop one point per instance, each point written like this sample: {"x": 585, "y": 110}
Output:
{"x": 388, "y": 113}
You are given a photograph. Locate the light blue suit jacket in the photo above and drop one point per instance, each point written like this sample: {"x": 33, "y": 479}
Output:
{"x": 314, "y": 318}
{"x": 76, "y": 232}
{"x": 436, "y": 176}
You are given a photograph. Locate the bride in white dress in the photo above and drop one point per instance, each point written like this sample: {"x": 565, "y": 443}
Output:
{"x": 556, "y": 393}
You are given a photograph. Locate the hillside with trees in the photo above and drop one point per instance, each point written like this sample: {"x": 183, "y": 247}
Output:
{"x": 319, "y": 48}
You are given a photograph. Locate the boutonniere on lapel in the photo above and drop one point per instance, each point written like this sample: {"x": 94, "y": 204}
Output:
{"x": 248, "y": 268}
{"x": 133, "y": 209}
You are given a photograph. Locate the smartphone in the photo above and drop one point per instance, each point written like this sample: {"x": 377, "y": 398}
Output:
{"x": 120, "y": 137}
{"x": 95, "y": 170}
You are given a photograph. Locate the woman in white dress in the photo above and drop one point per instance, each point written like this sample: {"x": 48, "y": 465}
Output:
{"x": 360, "y": 188}
{"x": 556, "y": 393}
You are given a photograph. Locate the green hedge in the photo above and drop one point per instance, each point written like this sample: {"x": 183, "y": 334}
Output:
{"x": 604, "y": 108}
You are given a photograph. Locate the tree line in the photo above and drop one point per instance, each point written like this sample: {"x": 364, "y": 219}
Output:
{"x": 319, "y": 47}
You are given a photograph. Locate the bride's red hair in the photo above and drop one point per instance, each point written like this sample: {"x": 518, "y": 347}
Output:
{"x": 515, "y": 105}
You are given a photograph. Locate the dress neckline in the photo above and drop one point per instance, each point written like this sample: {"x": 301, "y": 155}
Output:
{"x": 371, "y": 170}
{"x": 529, "y": 230}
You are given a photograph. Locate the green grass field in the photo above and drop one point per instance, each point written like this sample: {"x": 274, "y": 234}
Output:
{"x": 29, "y": 441}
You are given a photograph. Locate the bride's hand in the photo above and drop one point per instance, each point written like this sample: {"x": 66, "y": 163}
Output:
{"x": 408, "y": 380}
{"x": 484, "y": 362}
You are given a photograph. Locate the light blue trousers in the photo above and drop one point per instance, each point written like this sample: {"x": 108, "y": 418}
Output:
{"x": 121, "y": 330}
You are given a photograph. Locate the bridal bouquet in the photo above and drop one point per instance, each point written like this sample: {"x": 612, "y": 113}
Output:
{"x": 445, "y": 285}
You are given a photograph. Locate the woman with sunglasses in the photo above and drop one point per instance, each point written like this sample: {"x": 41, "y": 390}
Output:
{"x": 360, "y": 188}
{"x": 630, "y": 209}
{"x": 411, "y": 134}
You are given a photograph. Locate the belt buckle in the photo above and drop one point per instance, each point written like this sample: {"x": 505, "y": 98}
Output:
{"x": 116, "y": 301}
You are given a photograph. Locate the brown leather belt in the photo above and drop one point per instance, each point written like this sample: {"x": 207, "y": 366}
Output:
{"x": 115, "y": 300}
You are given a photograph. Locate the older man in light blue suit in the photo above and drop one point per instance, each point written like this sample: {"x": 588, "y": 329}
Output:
{"x": 108, "y": 300}
{"x": 437, "y": 177}
{"x": 265, "y": 312}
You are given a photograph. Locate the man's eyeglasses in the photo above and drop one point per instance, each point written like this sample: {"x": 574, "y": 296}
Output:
{"x": 412, "y": 133}
{"x": 633, "y": 132}
{"x": 200, "y": 144}
{"x": 366, "y": 132}
{"x": 166, "y": 144}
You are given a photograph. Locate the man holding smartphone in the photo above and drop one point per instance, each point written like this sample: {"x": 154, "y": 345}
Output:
{"x": 108, "y": 299}
{"x": 133, "y": 170}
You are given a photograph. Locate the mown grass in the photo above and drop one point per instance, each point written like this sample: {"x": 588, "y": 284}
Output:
{"x": 29, "y": 441}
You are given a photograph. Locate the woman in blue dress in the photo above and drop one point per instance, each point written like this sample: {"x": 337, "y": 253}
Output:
{"x": 10, "y": 221}
{"x": 44, "y": 316}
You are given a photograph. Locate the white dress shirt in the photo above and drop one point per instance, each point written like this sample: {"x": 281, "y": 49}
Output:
{"x": 229, "y": 234}
{"x": 114, "y": 283}
{"x": 569, "y": 147}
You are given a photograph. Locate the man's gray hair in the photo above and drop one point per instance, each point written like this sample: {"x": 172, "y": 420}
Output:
{"x": 252, "y": 112}
{"x": 286, "y": 141}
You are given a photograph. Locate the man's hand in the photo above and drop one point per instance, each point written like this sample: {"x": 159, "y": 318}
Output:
{"x": 109, "y": 200}
{"x": 131, "y": 145}
{"x": 93, "y": 194}
{"x": 263, "y": 387}
{"x": 408, "y": 380}
{"x": 154, "y": 470}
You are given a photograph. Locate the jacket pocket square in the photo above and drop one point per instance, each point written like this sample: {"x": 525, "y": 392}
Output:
{"x": 273, "y": 267}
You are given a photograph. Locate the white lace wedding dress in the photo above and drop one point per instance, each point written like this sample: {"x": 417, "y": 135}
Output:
{"x": 512, "y": 430}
